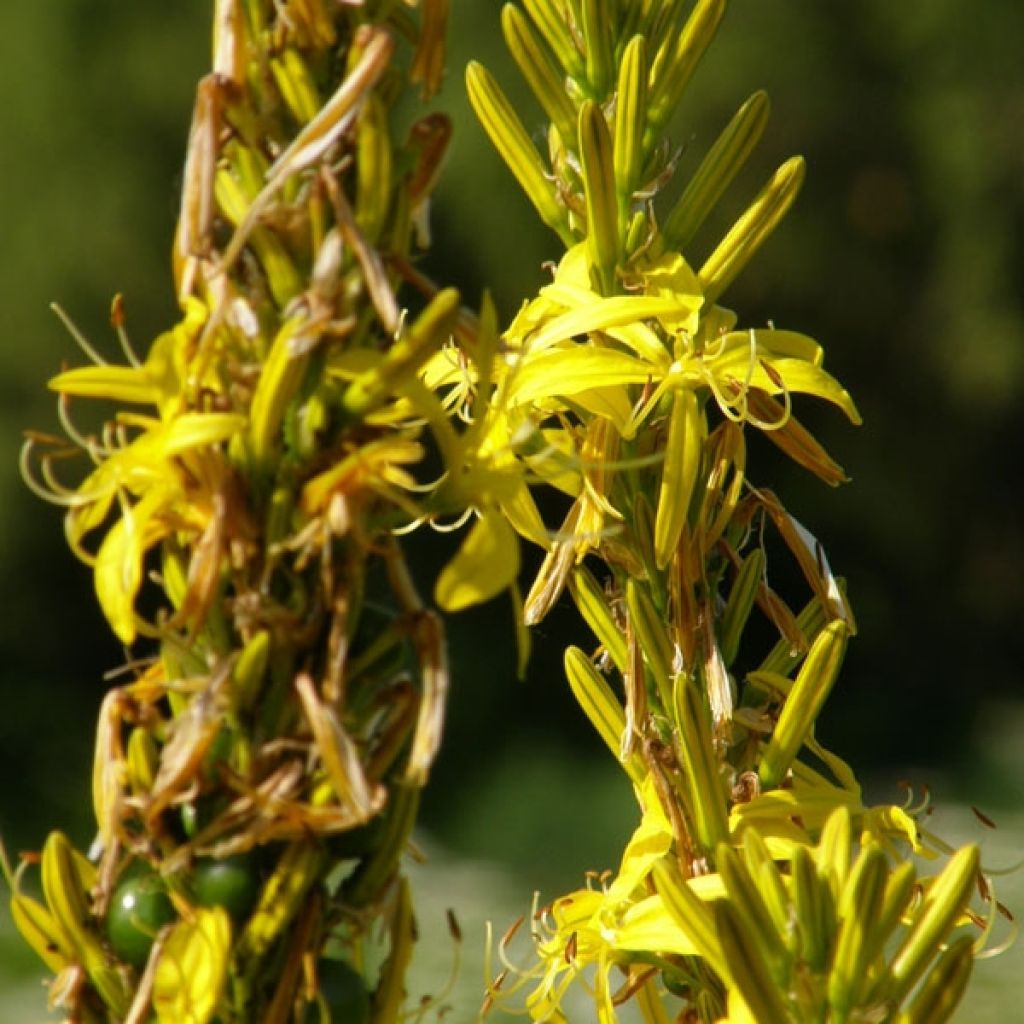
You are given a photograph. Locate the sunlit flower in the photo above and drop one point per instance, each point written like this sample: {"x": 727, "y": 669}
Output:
{"x": 154, "y": 476}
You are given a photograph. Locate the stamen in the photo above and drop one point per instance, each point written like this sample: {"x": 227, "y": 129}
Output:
{"x": 80, "y": 338}
{"x": 117, "y": 322}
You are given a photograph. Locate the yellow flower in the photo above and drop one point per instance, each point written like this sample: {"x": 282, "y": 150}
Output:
{"x": 156, "y": 475}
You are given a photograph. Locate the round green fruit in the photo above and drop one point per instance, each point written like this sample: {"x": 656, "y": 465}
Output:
{"x": 139, "y": 908}
{"x": 231, "y": 882}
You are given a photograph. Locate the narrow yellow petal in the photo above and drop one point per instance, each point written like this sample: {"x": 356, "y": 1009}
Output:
{"x": 486, "y": 564}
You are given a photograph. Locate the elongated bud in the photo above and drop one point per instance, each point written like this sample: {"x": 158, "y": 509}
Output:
{"x": 770, "y": 885}
{"x": 373, "y": 168}
{"x": 630, "y": 120}
{"x": 277, "y": 386}
{"x": 432, "y": 328}
{"x": 805, "y": 700}
{"x": 747, "y": 967}
{"x": 296, "y": 85}
{"x": 593, "y": 606}
{"x": 860, "y": 937}
{"x": 749, "y": 232}
{"x": 597, "y": 47}
{"x": 549, "y": 18}
{"x": 943, "y": 988}
{"x": 716, "y": 171}
{"x": 691, "y": 913}
{"x": 676, "y": 60}
{"x": 815, "y": 910}
{"x": 945, "y": 902}
{"x": 601, "y": 707}
{"x": 696, "y": 754}
{"x": 687, "y": 431}
{"x": 745, "y": 896}
{"x": 66, "y": 876}
{"x": 597, "y": 161}
{"x": 509, "y": 137}
{"x": 740, "y": 603}
{"x": 63, "y": 887}
{"x": 899, "y": 890}
{"x": 650, "y": 630}
{"x": 534, "y": 61}
{"x": 40, "y": 930}
{"x": 281, "y": 897}
{"x": 833, "y": 853}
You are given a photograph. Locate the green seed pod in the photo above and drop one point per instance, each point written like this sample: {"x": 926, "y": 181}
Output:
{"x": 139, "y": 908}
{"x": 231, "y": 882}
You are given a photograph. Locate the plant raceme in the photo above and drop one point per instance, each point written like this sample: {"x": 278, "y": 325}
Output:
{"x": 758, "y": 886}
{"x": 256, "y": 780}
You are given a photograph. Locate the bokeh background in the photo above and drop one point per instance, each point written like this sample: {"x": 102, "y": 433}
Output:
{"x": 904, "y": 256}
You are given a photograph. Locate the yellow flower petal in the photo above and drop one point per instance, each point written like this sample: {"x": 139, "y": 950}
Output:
{"x": 192, "y": 968}
{"x": 486, "y": 564}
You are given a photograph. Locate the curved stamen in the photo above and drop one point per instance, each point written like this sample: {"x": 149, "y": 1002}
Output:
{"x": 60, "y": 497}
{"x": 80, "y": 338}
{"x": 457, "y": 524}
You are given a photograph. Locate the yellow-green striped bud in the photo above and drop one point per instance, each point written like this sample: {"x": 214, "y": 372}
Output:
{"x": 650, "y": 630}
{"x": 676, "y": 60}
{"x": 747, "y": 899}
{"x": 860, "y": 937}
{"x": 945, "y": 901}
{"x": 815, "y": 910}
{"x": 597, "y": 48}
{"x": 534, "y": 61}
{"x": 745, "y": 237}
{"x": 943, "y": 988}
{"x": 512, "y": 142}
{"x": 740, "y": 603}
{"x": 549, "y": 17}
{"x": 602, "y": 708}
{"x": 747, "y": 968}
{"x": 597, "y": 163}
{"x": 716, "y": 172}
{"x": 805, "y": 700}
{"x": 630, "y": 121}
{"x": 696, "y": 753}
{"x": 592, "y": 604}
{"x": 687, "y": 430}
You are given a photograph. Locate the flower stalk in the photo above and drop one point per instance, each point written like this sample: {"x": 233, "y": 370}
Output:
{"x": 257, "y": 778}
{"x": 758, "y": 885}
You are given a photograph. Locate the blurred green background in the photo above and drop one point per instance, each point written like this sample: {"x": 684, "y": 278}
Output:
{"x": 904, "y": 256}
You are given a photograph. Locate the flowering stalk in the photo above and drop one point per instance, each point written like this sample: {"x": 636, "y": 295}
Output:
{"x": 257, "y": 778}
{"x": 758, "y": 886}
